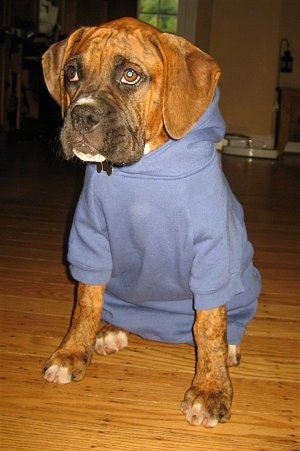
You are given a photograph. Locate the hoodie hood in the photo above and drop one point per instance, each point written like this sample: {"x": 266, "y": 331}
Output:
{"x": 180, "y": 158}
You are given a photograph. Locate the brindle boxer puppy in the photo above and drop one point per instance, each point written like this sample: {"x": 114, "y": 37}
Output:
{"x": 159, "y": 248}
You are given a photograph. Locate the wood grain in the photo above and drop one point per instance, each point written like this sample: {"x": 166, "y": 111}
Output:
{"x": 130, "y": 400}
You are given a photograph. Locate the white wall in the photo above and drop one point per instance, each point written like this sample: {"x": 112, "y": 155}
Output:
{"x": 244, "y": 36}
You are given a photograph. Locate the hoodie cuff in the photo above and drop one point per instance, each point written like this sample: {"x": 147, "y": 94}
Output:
{"x": 89, "y": 276}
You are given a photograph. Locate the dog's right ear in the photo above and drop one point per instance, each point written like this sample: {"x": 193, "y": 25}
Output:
{"x": 52, "y": 64}
{"x": 53, "y": 61}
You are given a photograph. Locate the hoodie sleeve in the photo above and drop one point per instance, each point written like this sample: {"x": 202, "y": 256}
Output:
{"x": 220, "y": 242}
{"x": 89, "y": 250}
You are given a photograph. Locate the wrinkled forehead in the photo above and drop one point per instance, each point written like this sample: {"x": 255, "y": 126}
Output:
{"x": 107, "y": 44}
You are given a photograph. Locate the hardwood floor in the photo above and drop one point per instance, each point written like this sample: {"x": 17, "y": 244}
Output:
{"x": 130, "y": 400}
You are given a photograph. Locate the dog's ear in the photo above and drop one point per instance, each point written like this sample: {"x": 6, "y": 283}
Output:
{"x": 191, "y": 77}
{"x": 53, "y": 61}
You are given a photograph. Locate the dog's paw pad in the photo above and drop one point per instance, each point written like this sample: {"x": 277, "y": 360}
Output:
{"x": 110, "y": 341}
{"x": 57, "y": 374}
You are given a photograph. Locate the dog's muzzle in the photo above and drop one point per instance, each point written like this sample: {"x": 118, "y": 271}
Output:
{"x": 84, "y": 119}
{"x": 96, "y": 130}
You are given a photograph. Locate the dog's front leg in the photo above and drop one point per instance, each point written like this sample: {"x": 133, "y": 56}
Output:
{"x": 208, "y": 401}
{"x": 70, "y": 360}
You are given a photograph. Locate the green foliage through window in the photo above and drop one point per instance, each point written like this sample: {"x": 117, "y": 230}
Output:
{"x": 159, "y": 13}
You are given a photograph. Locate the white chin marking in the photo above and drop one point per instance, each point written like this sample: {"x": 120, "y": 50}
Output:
{"x": 146, "y": 149}
{"x": 87, "y": 157}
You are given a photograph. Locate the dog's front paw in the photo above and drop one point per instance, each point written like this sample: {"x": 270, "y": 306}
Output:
{"x": 206, "y": 408}
{"x": 65, "y": 366}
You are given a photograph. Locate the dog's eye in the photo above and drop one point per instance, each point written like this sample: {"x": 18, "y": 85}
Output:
{"x": 71, "y": 74}
{"x": 130, "y": 77}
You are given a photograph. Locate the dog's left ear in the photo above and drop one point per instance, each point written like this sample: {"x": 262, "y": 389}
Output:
{"x": 191, "y": 77}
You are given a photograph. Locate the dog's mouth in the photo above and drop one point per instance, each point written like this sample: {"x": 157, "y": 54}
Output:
{"x": 86, "y": 152}
{"x": 90, "y": 155}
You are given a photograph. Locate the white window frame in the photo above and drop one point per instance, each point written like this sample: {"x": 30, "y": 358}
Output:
{"x": 186, "y": 19}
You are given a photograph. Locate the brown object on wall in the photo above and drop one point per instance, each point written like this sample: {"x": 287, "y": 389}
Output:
{"x": 289, "y": 117}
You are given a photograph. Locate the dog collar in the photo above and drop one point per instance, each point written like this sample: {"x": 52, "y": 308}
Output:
{"x": 106, "y": 166}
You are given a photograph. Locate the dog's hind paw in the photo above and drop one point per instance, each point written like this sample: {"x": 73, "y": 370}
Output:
{"x": 234, "y": 355}
{"x": 110, "y": 339}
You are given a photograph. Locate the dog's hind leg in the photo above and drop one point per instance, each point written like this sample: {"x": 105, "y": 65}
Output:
{"x": 110, "y": 339}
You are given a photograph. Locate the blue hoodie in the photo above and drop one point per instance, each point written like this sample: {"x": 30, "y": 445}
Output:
{"x": 168, "y": 237}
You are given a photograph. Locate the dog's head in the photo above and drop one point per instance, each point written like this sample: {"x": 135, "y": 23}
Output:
{"x": 125, "y": 88}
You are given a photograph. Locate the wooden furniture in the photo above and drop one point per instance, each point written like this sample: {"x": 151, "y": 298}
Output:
{"x": 289, "y": 117}
{"x": 17, "y": 18}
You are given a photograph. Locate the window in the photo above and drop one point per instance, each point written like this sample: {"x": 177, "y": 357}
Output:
{"x": 159, "y": 13}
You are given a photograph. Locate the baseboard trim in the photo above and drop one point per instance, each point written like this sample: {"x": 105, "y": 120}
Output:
{"x": 250, "y": 153}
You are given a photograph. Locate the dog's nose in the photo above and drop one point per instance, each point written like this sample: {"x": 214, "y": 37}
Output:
{"x": 84, "y": 118}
